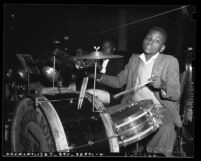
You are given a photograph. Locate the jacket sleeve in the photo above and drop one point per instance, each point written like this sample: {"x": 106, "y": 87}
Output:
{"x": 171, "y": 88}
{"x": 120, "y": 79}
{"x": 117, "y": 81}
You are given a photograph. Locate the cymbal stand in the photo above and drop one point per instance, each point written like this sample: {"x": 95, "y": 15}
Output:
{"x": 28, "y": 78}
{"x": 95, "y": 67}
{"x": 94, "y": 84}
{"x": 53, "y": 69}
{"x": 28, "y": 89}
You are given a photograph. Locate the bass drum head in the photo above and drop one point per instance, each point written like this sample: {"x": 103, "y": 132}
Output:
{"x": 30, "y": 131}
{"x": 56, "y": 125}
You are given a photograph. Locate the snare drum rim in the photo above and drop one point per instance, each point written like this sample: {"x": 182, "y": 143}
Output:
{"x": 141, "y": 112}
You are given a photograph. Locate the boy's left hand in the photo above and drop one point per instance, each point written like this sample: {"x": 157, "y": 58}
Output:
{"x": 157, "y": 82}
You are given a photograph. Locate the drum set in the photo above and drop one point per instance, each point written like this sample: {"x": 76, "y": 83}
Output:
{"x": 62, "y": 119}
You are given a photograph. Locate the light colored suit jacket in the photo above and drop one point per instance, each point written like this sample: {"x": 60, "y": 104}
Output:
{"x": 166, "y": 67}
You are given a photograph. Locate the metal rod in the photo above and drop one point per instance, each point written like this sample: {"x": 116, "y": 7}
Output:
{"x": 53, "y": 69}
{"x": 28, "y": 90}
{"x": 94, "y": 83}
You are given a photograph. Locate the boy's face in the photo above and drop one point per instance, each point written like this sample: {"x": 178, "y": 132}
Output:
{"x": 153, "y": 43}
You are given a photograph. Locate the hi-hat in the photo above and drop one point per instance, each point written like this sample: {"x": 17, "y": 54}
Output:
{"x": 97, "y": 55}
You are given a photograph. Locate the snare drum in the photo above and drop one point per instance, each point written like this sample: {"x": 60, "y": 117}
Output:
{"x": 52, "y": 123}
{"x": 133, "y": 121}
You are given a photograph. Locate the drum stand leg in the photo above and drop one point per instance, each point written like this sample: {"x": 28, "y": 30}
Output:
{"x": 137, "y": 147}
{"x": 178, "y": 141}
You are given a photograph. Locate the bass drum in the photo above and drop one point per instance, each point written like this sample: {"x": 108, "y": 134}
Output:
{"x": 52, "y": 123}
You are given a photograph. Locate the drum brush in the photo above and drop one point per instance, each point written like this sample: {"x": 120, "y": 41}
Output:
{"x": 130, "y": 90}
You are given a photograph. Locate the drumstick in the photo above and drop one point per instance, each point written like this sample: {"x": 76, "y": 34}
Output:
{"x": 129, "y": 90}
{"x": 82, "y": 92}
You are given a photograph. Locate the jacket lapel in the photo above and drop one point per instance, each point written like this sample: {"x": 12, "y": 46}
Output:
{"x": 136, "y": 70}
{"x": 158, "y": 66}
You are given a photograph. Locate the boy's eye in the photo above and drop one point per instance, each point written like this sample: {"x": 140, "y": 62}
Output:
{"x": 157, "y": 41}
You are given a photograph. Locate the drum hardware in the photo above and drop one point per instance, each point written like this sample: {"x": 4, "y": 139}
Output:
{"x": 15, "y": 91}
{"x": 90, "y": 143}
{"x": 53, "y": 69}
{"x": 121, "y": 142}
{"x": 95, "y": 67}
{"x": 155, "y": 122}
{"x": 71, "y": 100}
{"x": 79, "y": 64}
{"x": 6, "y": 132}
{"x": 7, "y": 128}
{"x": 36, "y": 102}
{"x": 96, "y": 55}
{"x": 132, "y": 104}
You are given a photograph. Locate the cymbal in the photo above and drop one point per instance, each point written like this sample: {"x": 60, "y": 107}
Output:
{"x": 97, "y": 55}
{"x": 57, "y": 52}
{"x": 49, "y": 73}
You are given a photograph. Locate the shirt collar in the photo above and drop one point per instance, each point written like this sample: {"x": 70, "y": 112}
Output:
{"x": 142, "y": 57}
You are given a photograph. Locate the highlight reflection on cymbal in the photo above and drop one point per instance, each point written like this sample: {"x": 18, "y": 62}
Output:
{"x": 97, "y": 55}
{"x": 49, "y": 73}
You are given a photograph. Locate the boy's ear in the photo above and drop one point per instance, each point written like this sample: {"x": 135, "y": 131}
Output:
{"x": 162, "y": 48}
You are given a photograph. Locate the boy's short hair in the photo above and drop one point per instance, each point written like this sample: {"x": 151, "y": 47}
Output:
{"x": 161, "y": 30}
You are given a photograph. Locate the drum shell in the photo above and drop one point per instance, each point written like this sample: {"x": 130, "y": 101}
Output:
{"x": 84, "y": 130}
{"x": 134, "y": 122}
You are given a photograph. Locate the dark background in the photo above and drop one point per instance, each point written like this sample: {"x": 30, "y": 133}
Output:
{"x": 33, "y": 28}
